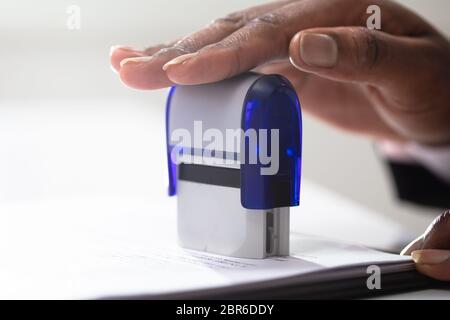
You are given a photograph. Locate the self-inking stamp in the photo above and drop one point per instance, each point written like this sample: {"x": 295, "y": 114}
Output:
{"x": 234, "y": 158}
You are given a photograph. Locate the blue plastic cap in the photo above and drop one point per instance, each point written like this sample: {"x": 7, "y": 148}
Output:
{"x": 272, "y": 103}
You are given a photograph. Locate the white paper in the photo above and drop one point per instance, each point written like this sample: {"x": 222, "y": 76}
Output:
{"x": 94, "y": 249}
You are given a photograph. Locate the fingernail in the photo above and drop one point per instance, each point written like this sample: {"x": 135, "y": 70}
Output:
{"x": 318, "y": 50}
{"x": 179, "y": 60}
{"x": 128, "y": 48}
{"x": 430, "y": 256}
{"x": 135, "y": 60}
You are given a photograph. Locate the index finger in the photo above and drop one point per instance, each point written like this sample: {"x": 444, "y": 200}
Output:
{"x": 145, "y": 71}
{"x": 267, "y": 37}
{"x": 262, "y": 39}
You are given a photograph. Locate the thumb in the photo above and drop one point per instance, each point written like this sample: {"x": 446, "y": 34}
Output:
{"x": 437, "y": 235}
{"x": 355, "y": 54}
{"x": 433, "y": 263}
{"x": 431, "y": 251}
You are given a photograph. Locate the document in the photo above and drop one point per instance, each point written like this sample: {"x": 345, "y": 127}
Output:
{"x": 85, "y": 250}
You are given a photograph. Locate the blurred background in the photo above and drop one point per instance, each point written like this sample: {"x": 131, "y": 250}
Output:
{"x": 69, "y": 128}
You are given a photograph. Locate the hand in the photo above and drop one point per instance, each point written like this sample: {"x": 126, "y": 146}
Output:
{"x": 390, "y": 84}
{"x": 431, "y": 251}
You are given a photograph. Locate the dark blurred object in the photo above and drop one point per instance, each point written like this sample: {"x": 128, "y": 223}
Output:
{"x": 416, "y": 184}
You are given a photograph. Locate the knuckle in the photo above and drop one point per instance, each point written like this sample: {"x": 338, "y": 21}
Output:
{"x": 235, "y": 40}
{"x": 440, "y": 225}
{"x": 271, "y": 19}
{"x": 174, "y": 50}
{"x": 442, "y": 220}
{"x": 162, "y": 52}
{"x": 235, "y": 19}
{"x": 270, "y": 26}
{"x": 368, "y": 48}
{"x": 185, "y": 45}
